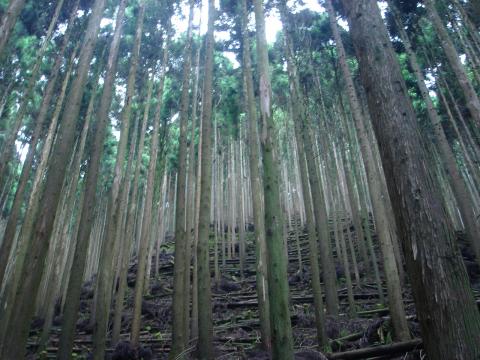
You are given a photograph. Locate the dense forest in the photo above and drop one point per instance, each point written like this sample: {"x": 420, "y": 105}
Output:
{"x": 240, "y": 179}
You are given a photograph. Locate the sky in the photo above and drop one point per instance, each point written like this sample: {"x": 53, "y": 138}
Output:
{"x": 180, "y": 22}
{"x": 272, "y": 23}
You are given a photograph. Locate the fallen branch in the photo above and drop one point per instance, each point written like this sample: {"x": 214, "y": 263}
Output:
{"x": 351, "y": 337}
{"x": 391, "y": 349}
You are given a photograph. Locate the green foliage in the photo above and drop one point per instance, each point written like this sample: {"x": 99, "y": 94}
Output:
{"x": 327, "y": 348}
{"x": 228, "y": 94}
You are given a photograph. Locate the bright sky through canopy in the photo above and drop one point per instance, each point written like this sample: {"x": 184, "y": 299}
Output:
{"x": 273, "y": 23}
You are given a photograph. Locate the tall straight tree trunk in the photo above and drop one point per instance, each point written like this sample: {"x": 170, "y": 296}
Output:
{"x": 356, "y": 167}
{"x": 104, "y": 279}
{"x": 87, "y": 214}
{"x": 192, "y": 195}
{"x": 181, "y": 305}
{"x": 10, "y": 230}
{"x": 147, "y": 210}
{"x": 216, "y": 206}
{"x": 349, "y": 180}
{"x": 14, "y": 344}
{"x": 467, "y": 134}
{"x": 239, "y": 191}
{"x": 319, "y": 203}
{"x": 471, "y": 97}
{"x": 347, "y": 211}
{"x": 194, "y": 323}
{"x": 8, "y": 149}
{"x": 61, "y": 217}
{"x": 472, "y": 31}
{"x": 472, "y": 226}
{"x": 445, "y": 304}
{"x": 5, "y": 95}
{"x": 68, "y": 211}
{"x": 32, "y": 207}
{"x": 192, "y": 198}
{"x": 380, "y": 210}
{"x": 298, "y": 112}
{"x": 204, "y": 291}
{"x": 162, "y": 220}
{"x": 128, "y": 238}
{"x": 233, "y": 201}
{"x": 469, "y": 147}
{"x": 344, "y": 252}
{"x": 281, "y": 328}
{"x": 312, "y": 233}
{"x": 354, "y": 210}
{"x": 8, "y": 20}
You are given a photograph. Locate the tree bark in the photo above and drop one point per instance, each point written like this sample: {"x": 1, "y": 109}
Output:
{"x": 128, "y": 238}
{"x": 379, "y": 206}
{"x": 299, "y": 117}
{"x": 10, "y": 230}
{"x": 87, "y": 214}
{"x": 181, "y": 303}
{"x": 70, "y": 201}
{"x": 280, "y": 323}
{"x": 147, "y": 210}
{"x": 9, "y": 146}
{"x": 192, "y": 194}
{"x": 205, "y": 325}
{"x": 471, "y": 97}
{"x": 15, "y": 341}
{"x": 104, "y": 279}
{"x": 439, "y": 281}
{"x": 459, "y": 187}
{"x": 32, "y": 207}
{"x": 8, "y": 20}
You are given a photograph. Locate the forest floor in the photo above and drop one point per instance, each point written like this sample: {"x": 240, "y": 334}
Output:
{"x": 236, "y": 324}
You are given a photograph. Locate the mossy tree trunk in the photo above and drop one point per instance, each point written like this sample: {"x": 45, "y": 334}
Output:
{"x": 204, "y": 291}
{"x": 280, "y": 323}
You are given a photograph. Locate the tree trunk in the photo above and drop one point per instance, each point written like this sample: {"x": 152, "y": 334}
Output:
{"x": 10, "y": 230}
{"x": 192, "y": 194}
{"x": 471, "y": 97}
{"x": 181, "y": 303}
{"x": 16, "y": 338}
{"x": 147, "y": 210}
{"x": 205, "y": 326}
{"x": 128, "y": 238}
{"x": 9, "y": 146}
{"x": 113, "y": 210}
{"x": 299, "y": 115}
{"x": 87, "y": 214}
{"x": 32, "y": 206}
{"x": 282, "y": 340}
{"x": 439, "y": 281}
{"x": 379, "y": 206}
{"x": 70, "y": 201}
{"x": 8, "y": 20}
{"x": 472, "y": 228}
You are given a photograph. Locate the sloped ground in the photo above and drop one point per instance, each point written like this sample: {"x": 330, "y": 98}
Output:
{"x": 236, "y": 325}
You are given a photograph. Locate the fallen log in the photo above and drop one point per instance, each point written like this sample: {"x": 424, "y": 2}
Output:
{"x": 351, "y": 337}
{"x": 391, "y": 349}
